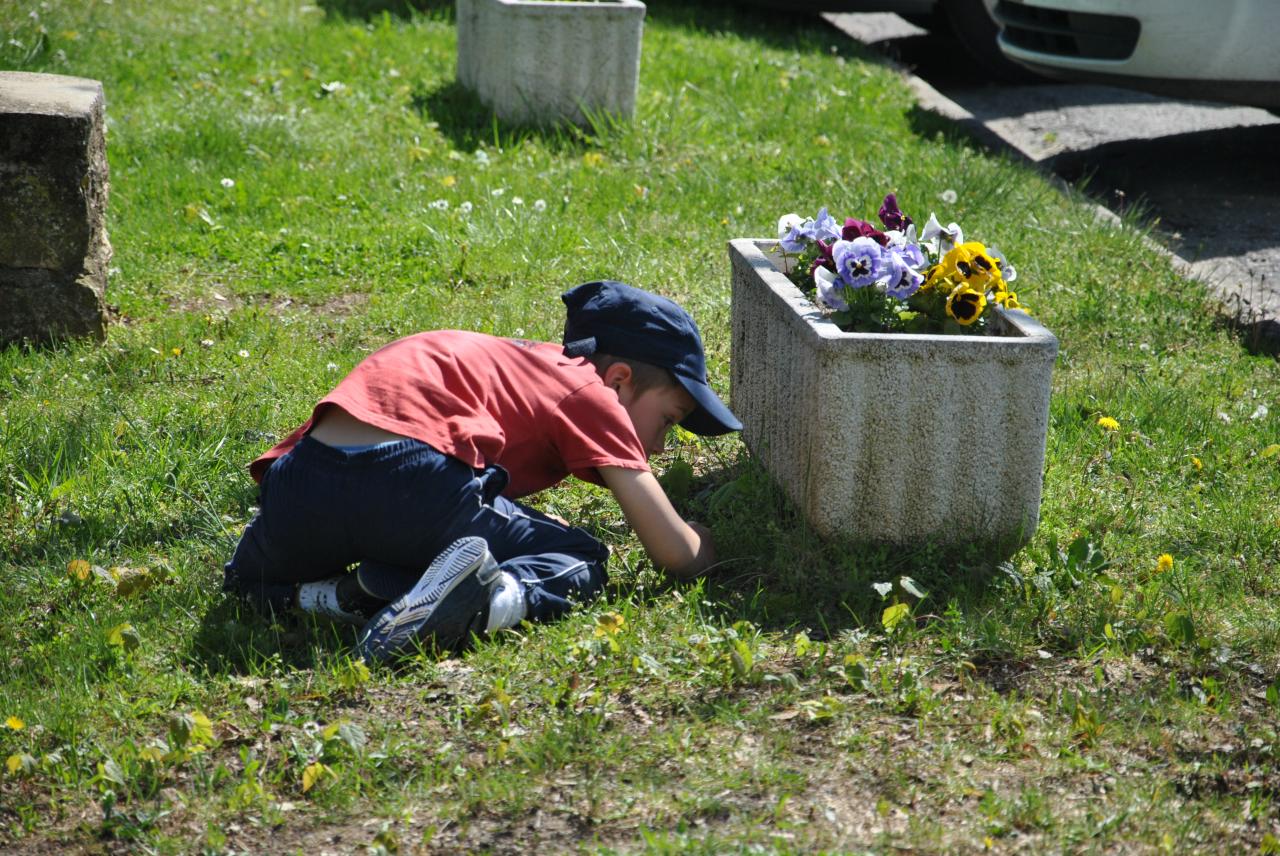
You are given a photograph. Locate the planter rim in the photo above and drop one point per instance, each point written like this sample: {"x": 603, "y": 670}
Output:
{"x": 1028, "y": 331}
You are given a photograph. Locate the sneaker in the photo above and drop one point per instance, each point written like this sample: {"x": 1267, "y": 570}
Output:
{"x": 339, "y": 598}
{"x": 442, "y": 605}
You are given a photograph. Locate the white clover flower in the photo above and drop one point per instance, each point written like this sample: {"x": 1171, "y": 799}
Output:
{"x": 333, "y": 367}
{"x": 440, "y": 205}
{"x": 948, "y": 196}
{"x": 228, "y": 182}
{"x": 465, "y": 207}
{"x": 539, "y": 205}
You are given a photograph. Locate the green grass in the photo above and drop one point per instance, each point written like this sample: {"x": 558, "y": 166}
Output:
{"x": 1065, "y": 700}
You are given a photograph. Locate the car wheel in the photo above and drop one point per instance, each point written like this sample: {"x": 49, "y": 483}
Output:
{"x": 972, "y": 23}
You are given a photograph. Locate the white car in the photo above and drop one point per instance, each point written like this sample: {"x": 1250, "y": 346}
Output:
{"x": 1224, "y": 50}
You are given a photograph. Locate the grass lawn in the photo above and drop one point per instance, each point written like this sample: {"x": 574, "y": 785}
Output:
{"x": 295, "y": 185}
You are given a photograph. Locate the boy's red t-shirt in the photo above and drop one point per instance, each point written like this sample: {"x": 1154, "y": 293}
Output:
{"x": 487, "y": 400}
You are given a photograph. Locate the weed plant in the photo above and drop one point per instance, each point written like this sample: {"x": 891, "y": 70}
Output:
{"x": 295, "y": 185}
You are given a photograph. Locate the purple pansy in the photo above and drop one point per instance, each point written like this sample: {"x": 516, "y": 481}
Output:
{"x": 862, "y": 229}
{"x": 891, "y": 215}
{"x": 859, "y": 262}
{"x": 823, "y": 259}
{"x": 824, "y": 227}
{"x": 901, "y": 280}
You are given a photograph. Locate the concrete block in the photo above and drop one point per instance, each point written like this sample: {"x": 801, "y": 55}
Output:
{"x": 538, "y": 62}
{"x": 890, "y": 438}
{"x": 54, "y": 250}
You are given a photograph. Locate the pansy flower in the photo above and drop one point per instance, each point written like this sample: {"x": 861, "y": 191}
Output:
{"x": 859, "y": 262}
{"x": 938, "y": 239}
{"x": 901, "y": 280}
{"x": 788, "y": 234}
{"x": 1007, "y": 273}
{"x": 829, "y": 289}
{"x": 824, "y": 258}
{"x": 891, "y": 215}
{"x": 862, "y": 229}
{"x": 965, "y": 304}
{"x": 824, "y": 227}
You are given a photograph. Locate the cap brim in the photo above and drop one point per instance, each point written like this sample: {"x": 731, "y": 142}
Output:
{"x": 711, "y": 417}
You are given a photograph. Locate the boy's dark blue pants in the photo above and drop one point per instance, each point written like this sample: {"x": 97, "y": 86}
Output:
{"x": 398, "y": 505}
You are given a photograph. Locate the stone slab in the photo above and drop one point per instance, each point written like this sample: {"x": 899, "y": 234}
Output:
{"x": 54, "y": 249}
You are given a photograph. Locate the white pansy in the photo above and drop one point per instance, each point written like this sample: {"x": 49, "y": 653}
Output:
{"x": 786, "y": 222}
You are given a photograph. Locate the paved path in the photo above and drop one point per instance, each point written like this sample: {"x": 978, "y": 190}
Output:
{"x": 1209, "y": 172}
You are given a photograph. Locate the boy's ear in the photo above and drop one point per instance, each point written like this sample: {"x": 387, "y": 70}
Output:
{"x": 616, "y": 375}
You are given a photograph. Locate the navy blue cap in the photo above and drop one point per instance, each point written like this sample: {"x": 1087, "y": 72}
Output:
{"x": 618, "y": 319}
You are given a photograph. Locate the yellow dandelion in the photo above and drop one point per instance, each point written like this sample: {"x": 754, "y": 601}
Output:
{"x": 1197, "y": 463}
{"x": 1106, "y": 423}
{"x": 13, "y": 723}
{"x": 1164, "y": 563}
{"x": 449, "y": 181}
{"x": 593, "y": 159}
{"x": 609, "y": 624}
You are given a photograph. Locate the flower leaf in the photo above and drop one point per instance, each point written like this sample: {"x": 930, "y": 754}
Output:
{"x": 893, "y": 615}
{"x": 312, "y": 774}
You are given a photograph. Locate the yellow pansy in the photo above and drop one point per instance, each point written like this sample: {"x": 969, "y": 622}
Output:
{"x": 965, "y": 304}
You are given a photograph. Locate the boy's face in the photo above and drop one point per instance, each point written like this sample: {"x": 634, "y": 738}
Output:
{"x": 654, "y": 411}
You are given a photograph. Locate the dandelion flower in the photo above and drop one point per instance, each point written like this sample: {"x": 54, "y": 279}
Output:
{"x": 1106, "y": 423}
{"x": 449, "y": 181}
{"x": 497, "y": 191}
{"x": 608, "y": 624}
{"x": 539, "y": 205}
{"x": 593, "y": 159}
{"x": 517, "y": 200}
{"x": 1164, "y": 563}
{"x": 440, "y": 205}
{"x": 228, "y": 182}
{"x": 948, "y": 196}
{"x": 465, "y": 207}
{"x": 1197, "y": 463}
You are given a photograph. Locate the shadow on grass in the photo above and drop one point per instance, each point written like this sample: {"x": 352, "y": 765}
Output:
{"x": 469, "y": 123}
{"x": 779, "y": 574}
{"x": 235, "y": 639}
{"x": 365, "y": 10}
{"x": 1261, "y": 337}
{"x": 789, "y": 29}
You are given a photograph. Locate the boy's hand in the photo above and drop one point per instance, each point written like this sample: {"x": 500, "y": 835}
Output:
{"x": 681, "y": 549}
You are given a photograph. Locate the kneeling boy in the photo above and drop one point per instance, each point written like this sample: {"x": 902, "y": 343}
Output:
{"x": 421, "y": 452}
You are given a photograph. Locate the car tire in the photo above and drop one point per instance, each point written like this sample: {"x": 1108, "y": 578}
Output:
{"x": 972, "y": 23}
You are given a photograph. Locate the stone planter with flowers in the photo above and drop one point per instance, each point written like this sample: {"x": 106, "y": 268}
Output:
{"x": 931, "y": 426}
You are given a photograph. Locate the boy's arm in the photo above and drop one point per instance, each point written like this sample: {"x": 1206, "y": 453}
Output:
{"x": 679, "y": 548}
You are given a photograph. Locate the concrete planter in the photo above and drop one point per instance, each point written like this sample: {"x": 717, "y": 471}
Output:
{"x": 891, "y": 438}
{"x": 542, "y": 62}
